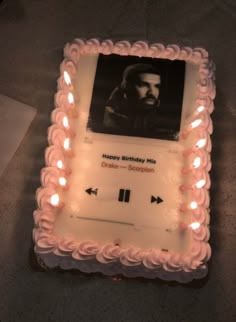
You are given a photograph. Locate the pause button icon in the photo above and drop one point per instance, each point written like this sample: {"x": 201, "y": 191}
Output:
{"x": 124, "y": 195}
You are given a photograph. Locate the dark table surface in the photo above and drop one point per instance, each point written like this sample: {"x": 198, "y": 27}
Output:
{"x": 32, "y": 35}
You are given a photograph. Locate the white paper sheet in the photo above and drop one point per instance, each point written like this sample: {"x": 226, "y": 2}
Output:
{"x": 15, "y": 118}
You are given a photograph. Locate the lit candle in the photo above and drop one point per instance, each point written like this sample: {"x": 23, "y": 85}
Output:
{"x": 67, "y": 148}
{"x": 192, "y": 126}
{"x": 66, "y": 144}
{"x": 60, "y": 117}
{"x": 193, "y": 205}
{"x": 190, "y": 206}
{"x": 55, "y": 201}
{"x": 71, "y": 99}
{"x": 201, "y": 121}
{"x": 200, "y": 159}
{"x": 200, "y": 109}
{"x": 67, "y": 78}
{"x": 65, "y": 122}
{"x": 197, "y": 162}
{"x": 192, "y": 226}
{"x": 49, "y": 176}
{"x": 64, "y": 81}
{"x": 71, "y": 102}
{"x": 63, "y": 183}
{"x": 60, "y": 165}
{"x": 201, "y": 143}
{"x": 199, "y": 184}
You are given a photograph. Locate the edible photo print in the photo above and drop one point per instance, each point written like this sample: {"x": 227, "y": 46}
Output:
{"x": 138, "y": 97}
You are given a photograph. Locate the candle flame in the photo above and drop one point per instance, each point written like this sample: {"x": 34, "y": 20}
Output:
{"x": 193, "y": 205}
{"x": 200, "y": 108}
{"x": 55, "y": 200}
{"x": 65, "y": 121}
{"x": 71, "y": 98}
{"x": 62, "y": 181}
{"x": 197, "y": 162}
{"x": 194, "y": 225}
{"x": 200, "y": 183}
{"x": 201, "y": 143}
{"x": 60, "y": 164}
{"x": 196, "y": 123}
{"x": 67, "y": 78}
{"x": 67, "y": 144}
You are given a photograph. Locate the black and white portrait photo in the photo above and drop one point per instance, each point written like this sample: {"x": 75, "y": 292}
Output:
{"x": 135, "y": 96}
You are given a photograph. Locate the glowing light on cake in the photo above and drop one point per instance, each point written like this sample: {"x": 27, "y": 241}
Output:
{"x": 55, "y": 200}
{"x": 201, "y": 143}
{"x": 200, "y": 183}
{"x": 195, "y": 123}
{"x": 60, "y": 164}
{"x": 197, "y": 162}
{"x": 67, "y": 78}
{"x": 71, "y": 98}
{"x": 200, "y": 108}
{"x": 65, "y": 122}
{"x": 190, "y": 127}
{"x": 66, "y": 144}
{"x": 194, "y": 225}
{"x": 193, "y": 205}
{"x": 62, "y": 181}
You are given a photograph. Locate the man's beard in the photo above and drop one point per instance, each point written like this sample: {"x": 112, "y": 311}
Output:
{"x": 147, "y": 103}
{"x": 142, "y": 105}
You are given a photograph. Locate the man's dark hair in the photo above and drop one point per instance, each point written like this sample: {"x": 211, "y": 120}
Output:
{"x": 132, "y": 71}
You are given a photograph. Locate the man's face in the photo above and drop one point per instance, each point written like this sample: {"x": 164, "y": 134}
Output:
{"x": 146, "y": 90}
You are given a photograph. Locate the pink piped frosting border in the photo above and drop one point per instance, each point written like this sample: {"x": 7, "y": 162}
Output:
{"x": 189, "y": 265}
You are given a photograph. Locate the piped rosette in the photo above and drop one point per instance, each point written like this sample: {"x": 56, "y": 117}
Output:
{"x": 200, "y": 122}
{"x": 55, "y": 157}
{"x": 109, "y": 253}
{"x": 85, "y": 250}
{"x": 66, "y": 101}
{"x": 45, "y": 241}
{"x": 48, "y": 197}
{"x": 132, "y": 256}
{"x": 74, "y": 50}
{"x": 58, "y": 137}
{"x": 106, "y": 47}
{"x": 44, "y": 219}
{"x": 52, "y": 176}
{"x": 60, "y": 117}
{"x": 69, "y": 67}
{"x": 199, "y": 159}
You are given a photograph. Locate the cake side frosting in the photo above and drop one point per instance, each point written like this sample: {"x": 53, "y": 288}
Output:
{"x": 197, "y": 153}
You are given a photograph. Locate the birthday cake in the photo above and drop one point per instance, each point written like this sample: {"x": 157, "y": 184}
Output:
{"x": 125, "y": 189}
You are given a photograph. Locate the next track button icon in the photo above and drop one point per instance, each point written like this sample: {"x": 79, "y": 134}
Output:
{"x": 156, "y": 199}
